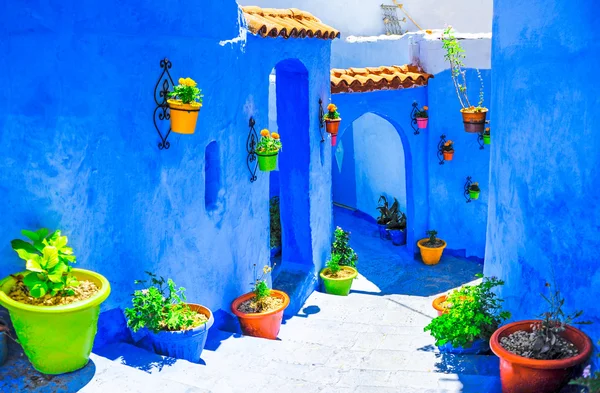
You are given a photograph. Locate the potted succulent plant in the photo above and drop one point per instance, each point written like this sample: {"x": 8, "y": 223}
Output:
{"x": 474, "y": 190}
{"x": 468, "y": 323}
{"x": 486, "y": 136}
{"x": 541, "y": 356}
{"x": 341, "y": 268}
{"x": 185, "y": 103}
{"x": 473, "y": 116}
{"x": 332, "y": 122}
{"x": 161, "y": 319}
{"x": 448, "y": 150}
{"x": 275, "y": 226}
{"x": 384, "y": 217}
{"x": 53, "y": 307}
{"x": 397, "y": 228}
{"x": 431, "y": 248}
{"x": 260, "y": 312}
{"x": 267, "y": 150}
{"x": 422, "y": 117}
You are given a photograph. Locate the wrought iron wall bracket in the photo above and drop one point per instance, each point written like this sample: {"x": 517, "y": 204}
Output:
{"x": 440, "y": 151}
{"x": 321, "y": 121}
{"x": 466, "y": 194}
{"x": 162, "y": 111}
{"x": 252, "y": 159}
{"x": 413, "y": 118}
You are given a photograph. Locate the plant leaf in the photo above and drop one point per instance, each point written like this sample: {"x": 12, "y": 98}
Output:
{"x": 33, "y": 264}
{"x": 19, "y": 244}
{"x": 33, "y": 236}
{"x": 50, "y": 254}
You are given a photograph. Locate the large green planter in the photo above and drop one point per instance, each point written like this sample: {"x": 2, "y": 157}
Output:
{"x": 57, "y": 339}
{"x": 267, "y": 161}
{"x": 338, "y": 286}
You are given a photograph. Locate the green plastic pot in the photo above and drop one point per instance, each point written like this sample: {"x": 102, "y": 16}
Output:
{"x": 474, "y": 194}
{"x": 338, "y": 286}
{"x": 267, "y": 162}
{"x": 57, "y": 339}
{"x": 486, "y": 139}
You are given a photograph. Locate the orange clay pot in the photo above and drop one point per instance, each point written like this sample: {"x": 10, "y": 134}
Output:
{"x": 431, "y": 256}
{"x": 437, "y": 304}
{"x": 332, "y": 126}
{"x": 448, "y": 155}
{"x": 183, "y": 117}
{"x": 474, "y": 122}
{"x": 265, "y": 324}
{"x": 522, "y": 375}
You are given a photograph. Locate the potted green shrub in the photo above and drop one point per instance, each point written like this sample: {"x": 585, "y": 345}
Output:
{"x": 161, "y": 317}
{"x": 474, "y": 190}
{"x": 473, "y": 116}
{"x": 53, "y": 307}
{"x": 340, "y": 270}
{"x": 332, "y": 122}
{"x": 431, "y": 248}
{"x": 397, "y": 227}
{"x": 267, "y": 150}
{"x": 384, "y": 217}
{"x": 185, "y": 102}
{"x": 541, "y": 356}
{"x": 260, "y": 312}
{"x": 474, "y": 315}
{"x": 275, "y": 226}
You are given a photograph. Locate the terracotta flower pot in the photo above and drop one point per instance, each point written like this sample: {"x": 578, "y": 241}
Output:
{"x": 438, "y": 304}
{"x": 430, "y": 256}
{"x": 448, "y": 155}
{"x": 422, "y": 122}
{"x": 474, "y": 122}
{"x": 332, "y": 127}
{"x": 183, "y": 116}
{"x": 267, "y": 161}
{"x": 522, "y": 375}
{"x": 264, "y": 324}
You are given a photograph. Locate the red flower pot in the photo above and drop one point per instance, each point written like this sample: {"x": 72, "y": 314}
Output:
{"x": 448, "y": 155}
{"x": 523, "y": 375}
{"x": 264, "y": 324}
{"x": 422, "y": 122}
{"x": 438, "y": 304}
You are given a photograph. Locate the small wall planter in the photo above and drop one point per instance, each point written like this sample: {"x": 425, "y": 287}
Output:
{"x": 398, "y": 237}
{"x": 448, "y": 155}
{"x": 474, "y": 122}
{"x": 183, "y": 116}
{"x": 263, "y": 325}
{"x": 332, "y": 127}
{"x": 474, "y": 194}
{"x": 486, "y": 139}
{"x": 522, "y": 375}
{"x": 431, "y": 256}
{"x": 422, "y": 122}
{"x": 338, "y": 286}
{"x": 267, "y": 161}
{"x": 477, "y": 347}
{"x": 37, "y": 326}
{"x": 438, "y": 304}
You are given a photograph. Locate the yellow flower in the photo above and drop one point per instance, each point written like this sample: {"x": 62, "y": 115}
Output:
{"x": 265, "y": 132}
{"x": 266, "y": 269}
{"x": 425, "y": 108}
{"x": 275, "y": 135}
{"x": 190, "y": 82}
{"x": 181, "y": 81}
{"x": 331, "y": 108}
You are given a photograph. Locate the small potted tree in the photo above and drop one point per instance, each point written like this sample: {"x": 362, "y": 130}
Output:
{"x": 471, "y": 315}
{"x": 185, "y": 104}
{"x": 341, "y": 268}
{"x": 260, "y": 312}
{"x": 486, "y": 136}
{"x": 397, "y": 228}
{"x": 431, "y": 248}
{"x": 267, "y": 150}
{"x": 53, "y": 307}
{"x": 162, "y": 320}
{"x": 422, "y": 117}
{"x": 384, "y": 217}
{"x": 332, "y": 122}
{"x": 474, "y": 190}
{"x": 473, "y": 116}
{"x": 541, "y": 356}
{"x": 448, "y": 150}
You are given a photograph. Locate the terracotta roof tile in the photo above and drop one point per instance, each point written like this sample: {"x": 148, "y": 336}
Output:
{"x": 286, "y": 23}
{"x": 377, "y": 78}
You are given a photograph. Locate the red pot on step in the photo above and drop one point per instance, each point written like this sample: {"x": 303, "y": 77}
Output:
{"x": 523, "y": 375}
{"x": 265, "y": 324}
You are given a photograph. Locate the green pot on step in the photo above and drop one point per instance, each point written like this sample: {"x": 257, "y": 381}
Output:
{"x": 57, "y": 339}
{"x": 267, "y": 161}
{"x": 338, "y": 286}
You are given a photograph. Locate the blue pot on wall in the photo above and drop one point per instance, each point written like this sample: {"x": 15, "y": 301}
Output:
{"x": 398, "y": 237}
{"x": 479, "y": 346}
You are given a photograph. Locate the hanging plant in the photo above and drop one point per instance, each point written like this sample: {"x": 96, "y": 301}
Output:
{"x": 185, "y": 103}
{"x": 332, "y": 121}
{"x": 422, "y": 117}
{"x": 473, "y": 116}
{"x": 448, "y": 150}
{"x": 267, "y": 150}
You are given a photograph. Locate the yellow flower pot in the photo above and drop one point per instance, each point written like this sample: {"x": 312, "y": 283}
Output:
{"x": 431, "y": 256}
{"x": 183, "y": 116}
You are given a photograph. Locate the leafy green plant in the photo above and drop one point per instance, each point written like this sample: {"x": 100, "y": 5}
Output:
{"x": 261, "y": 289}
{"x": 589, "y": 381}
{"x": 448, "y": 146}
{"x": 269, "y": 142}
{"x": 187, "y": 92}
{"x": 275, "y": 219}
{"x": 422, "y": 112}
{"x": 474, "y": 312}
{"x": 332, "y": 113}
{"x": 342, "y": 248}
{"x": 334, "y": 264}
{"x": 160, "y": 307}
{"x": 48, "y": 259}
{"x": 474, "y": 187}
{"x": 455, "y": 55}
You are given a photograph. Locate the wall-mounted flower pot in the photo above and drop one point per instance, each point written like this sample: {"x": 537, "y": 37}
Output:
{"x": 57, "y": 339}
{"x": 448, "y": 155}
{"x": 523, "y": 375}
{"x": 383, "y": 232}
{"x": 486, "y": 139}
{"x": 398, "y": 237}
{"x": 183, "y": 116}
{"x": 265, "y": 324}
{"x": 431, "y": 255}
{"x": 474, "y": 194}
{"x": 332, "y": 127}
{"x": 474, "y": 122}
{"x": 338, "y": 286}
{"x": 422, "y": 122}
{"x": 267, "y": 161}
{"x": 438, "y": 304}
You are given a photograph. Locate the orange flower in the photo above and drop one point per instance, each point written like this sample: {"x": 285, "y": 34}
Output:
{"x": 425, "y": 108}
{"x": 275, "y": 135}
{"x": 487, "y": 129}
{"x": 265, "y": 132}
{"x": 331, "y": 108}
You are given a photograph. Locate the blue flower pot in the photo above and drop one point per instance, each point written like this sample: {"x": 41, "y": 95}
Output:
{"x": 3, "y": 348}
{"x": 398, "y": 237}
{"x": 383, "y": 233}
{"x": 479, "y": 346}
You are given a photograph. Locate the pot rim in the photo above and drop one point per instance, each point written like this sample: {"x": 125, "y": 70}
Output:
{"x": 483, "y": 110}
{"x": 178, "y": 104}
{"x": 584, "y": 353}
{"x": 262, "y": 154}
{"x": 439, "y": 300}
{"x": 95, "y": 300}
{"x": 352, "y": 277}
{"x": 333, "y": 120}
{"x": 424, "y": 118}
{"x": 250, "y": 295}
{"x": 431, "y": 248}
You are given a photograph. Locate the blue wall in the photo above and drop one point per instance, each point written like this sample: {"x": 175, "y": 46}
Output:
{"x": 544, "y": 213}
{"x": 81, "y": 150}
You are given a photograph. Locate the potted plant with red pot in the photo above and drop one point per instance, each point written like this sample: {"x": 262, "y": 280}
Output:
{"x": 260, "y": 312}
{"x": 162, "y": 320}
{"x": 332, "y": 122}
{"x": 473, "y": 116}
{"x": 384, "y": 217}
{"x": 541, "y": 356}
{"x": 448, "y": 150}
{"x": 422, "y": 117}
{"x": 185, "y": 102}
{"x": 267, "y": 150}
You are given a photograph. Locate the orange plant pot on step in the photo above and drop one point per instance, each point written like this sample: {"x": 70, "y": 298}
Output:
{"x": 263, "y": 325}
